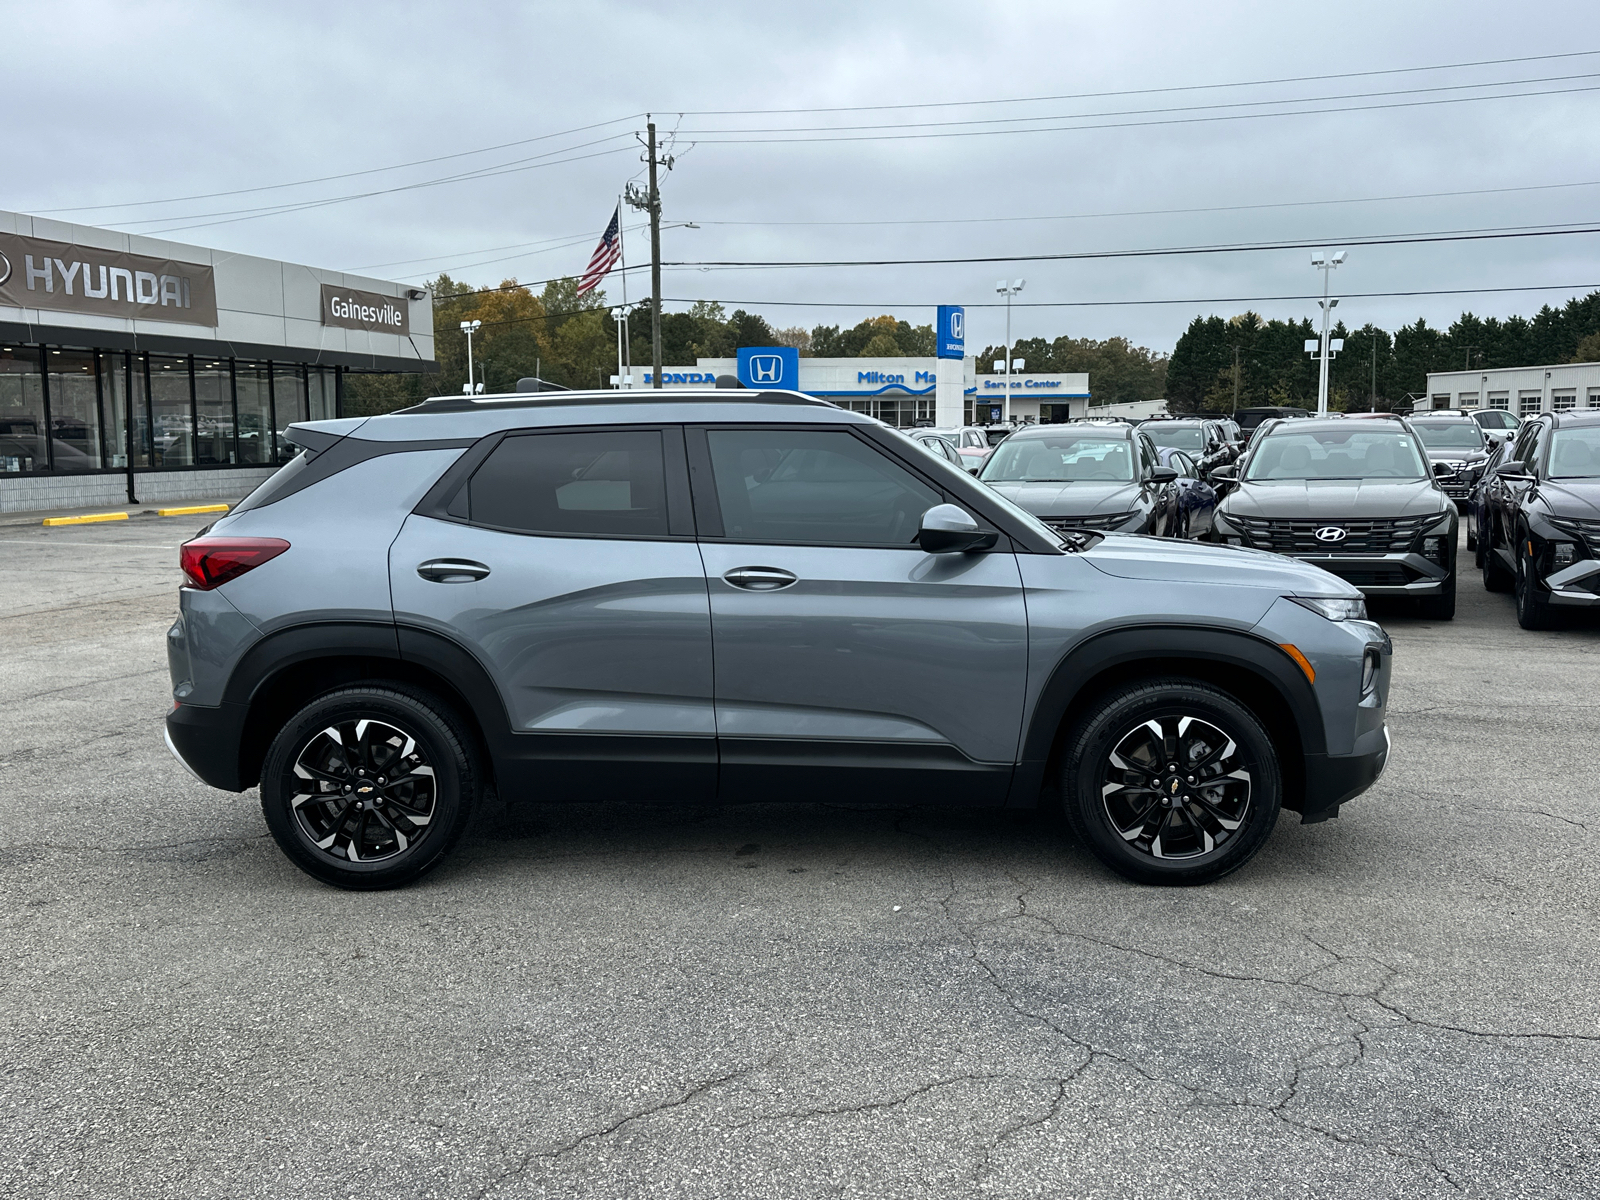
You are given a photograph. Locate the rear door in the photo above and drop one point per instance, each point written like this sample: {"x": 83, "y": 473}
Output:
{"x": 848, "y": 661}
{"x": 566, "y": 564}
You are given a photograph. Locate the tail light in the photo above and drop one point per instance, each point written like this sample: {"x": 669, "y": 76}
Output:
{"x": 209, "y": 562}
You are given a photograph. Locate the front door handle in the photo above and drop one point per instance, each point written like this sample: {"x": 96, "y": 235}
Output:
{"x": 760, "y": 579}
{"x": 452, "y": 570}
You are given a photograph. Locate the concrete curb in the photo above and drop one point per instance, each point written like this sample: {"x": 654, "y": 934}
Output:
{"x": 75, "y": 517}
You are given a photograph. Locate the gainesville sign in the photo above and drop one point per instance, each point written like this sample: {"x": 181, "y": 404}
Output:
{"x": 66, "y": 277}
{"x": 351, "y": 308}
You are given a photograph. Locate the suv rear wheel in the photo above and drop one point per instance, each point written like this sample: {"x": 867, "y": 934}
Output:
{"x": 369, "y": 786}
{"x": 1172, "y": 782}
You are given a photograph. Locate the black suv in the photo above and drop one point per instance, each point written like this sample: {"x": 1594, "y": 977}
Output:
{"x": 1541, "y": 518}
{"x": 1357, "y": 498}
{"x": 1208, "y": 442}
{"x": 1458, "y": 444}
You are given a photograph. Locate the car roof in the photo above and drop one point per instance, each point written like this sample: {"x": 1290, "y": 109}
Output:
{"x": 1576, "y": 418}
{"x": 1445, "y": 418}
{"x": 1066, "y": 427}
{"x": 1309, "y": 424}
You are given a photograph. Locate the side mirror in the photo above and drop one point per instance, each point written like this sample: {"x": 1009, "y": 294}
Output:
{"x": 950, "y": 529}
{"x": 1513, "y": 469}
{"x": 1163, "y": 475}
{"x": 1226, "y": 471}
{"x": 1440, "y": 468}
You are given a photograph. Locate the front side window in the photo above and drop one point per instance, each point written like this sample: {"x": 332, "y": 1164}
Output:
{"x": 1062, "y": 458}
{"x": 1575, "y": 453}
{"x": 820, "y": 487}
{"x": 1452, "y": 435}
{"x": 1337, "y": 454}
{"x": 610, "y": 484}
{"x": 1182, "y": 437}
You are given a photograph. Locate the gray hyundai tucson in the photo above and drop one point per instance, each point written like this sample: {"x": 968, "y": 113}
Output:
{"x": 740, "y": 596}
{"x": 1357, "y": 498}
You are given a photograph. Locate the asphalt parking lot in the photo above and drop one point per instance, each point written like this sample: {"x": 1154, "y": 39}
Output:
{"x": 611, "y": 1000}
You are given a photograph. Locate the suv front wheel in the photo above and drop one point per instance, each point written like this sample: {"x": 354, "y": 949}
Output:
{"x": 369, "y": 786}
{"x": 1172, "y": 782}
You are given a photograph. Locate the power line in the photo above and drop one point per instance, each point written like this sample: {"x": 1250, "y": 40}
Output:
{"x": 1465, "y": 235}
{"x": 268, "y": 187}
{"x": 1135, "y": 112}
{"x": 1193, "y": 87}
{"x": 707, "y": 140}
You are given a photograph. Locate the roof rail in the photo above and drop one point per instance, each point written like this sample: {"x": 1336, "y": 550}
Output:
{"x": 461, "y": 404}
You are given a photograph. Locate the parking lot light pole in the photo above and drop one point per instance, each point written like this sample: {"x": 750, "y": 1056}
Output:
{"x": 469, "y": 328}
{"x": 1008, "y": 290}
{"x": 1326, "y": 263}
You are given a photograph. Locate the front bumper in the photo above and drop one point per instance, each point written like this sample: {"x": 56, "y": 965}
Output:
{"x": 1383, "y": 574}
{"x": 1332, "y": 779}
{"x": 1570, "y": 586}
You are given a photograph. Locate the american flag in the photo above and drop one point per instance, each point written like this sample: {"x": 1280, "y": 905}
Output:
{"x": 605, "y": 255}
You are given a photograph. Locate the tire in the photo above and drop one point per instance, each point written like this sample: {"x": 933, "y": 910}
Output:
{"x": 1442, "y": 605}
{"x": 1495, "y": 576}
{"x": 343, "y": 742}
{"x": 1166, "y": 842}
{"x": 1534, "y": 610}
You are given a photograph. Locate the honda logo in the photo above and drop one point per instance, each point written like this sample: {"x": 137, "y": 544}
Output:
{"x": 766, "y": 368}
{"x": 1332, "y": 533}
{"x": 958, "y": 325}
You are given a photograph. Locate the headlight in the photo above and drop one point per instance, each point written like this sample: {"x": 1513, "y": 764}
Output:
{"x": 1443, "y": 523}
{"x": 1220, "y": 528}
{"x": 1370, "y": 662}
{"x": 1561, "y": 554}
{"x": 1334, "y": 608}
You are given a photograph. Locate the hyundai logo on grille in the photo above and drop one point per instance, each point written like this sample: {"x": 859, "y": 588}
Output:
{"x": 1332, "y": 533}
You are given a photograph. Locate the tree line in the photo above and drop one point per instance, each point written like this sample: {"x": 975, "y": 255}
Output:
{"x": 1245, "y": 360}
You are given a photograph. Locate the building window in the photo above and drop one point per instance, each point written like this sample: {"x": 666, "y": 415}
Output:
{"x": 288, "y": 405}
{"x": 22, "y": 444}
{"x": 250, "y": 381}
{"x": 322, "y": 393}
{"x": 1562, "y": 401}
{"x": 213, "y": 400}
{"x": 1501, "y": 400}
{"x": 1442, "y": 401}
{"x": 171, "y": 411}
{"x": 1529, "y": 403}
{"x": 120, "y": 375}
{"x": 74, "y": 410}
{"x": 1594, "y": 397}
{"x": 1467, "y": 400}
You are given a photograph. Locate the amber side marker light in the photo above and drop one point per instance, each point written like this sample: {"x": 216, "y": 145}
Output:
{"x": 1301, "y": 660}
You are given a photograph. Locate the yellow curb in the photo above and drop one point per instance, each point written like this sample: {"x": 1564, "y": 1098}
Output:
{"x": 91, "y": 519}
{"x": 192, "y": 509}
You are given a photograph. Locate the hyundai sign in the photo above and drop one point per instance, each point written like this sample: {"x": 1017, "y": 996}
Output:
{"x": 769, "y": 367}
{"x": 952, "y": 331}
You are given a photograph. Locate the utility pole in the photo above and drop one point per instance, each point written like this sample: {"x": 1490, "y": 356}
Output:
{"x": 1374, "y": 370}
{"x": 650, "y": 202}
{"x": 1467, "y": 366}
{"x": 1236, "y": 379}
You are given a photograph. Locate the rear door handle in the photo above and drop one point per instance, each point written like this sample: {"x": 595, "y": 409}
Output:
{"x": 452, "y": 570}
{"x": 760, "y": 579}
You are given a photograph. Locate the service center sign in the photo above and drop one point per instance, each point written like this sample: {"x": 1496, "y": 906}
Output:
{"x": 350, "y": 308}
{"x": 63, "y": 277}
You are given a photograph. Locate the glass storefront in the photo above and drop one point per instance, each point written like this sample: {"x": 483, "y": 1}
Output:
{"x": 68, "y": 410}
{"x": 900, "y": 411}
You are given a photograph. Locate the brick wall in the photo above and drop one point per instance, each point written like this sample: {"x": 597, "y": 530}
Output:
{"x": 36, "y": 493}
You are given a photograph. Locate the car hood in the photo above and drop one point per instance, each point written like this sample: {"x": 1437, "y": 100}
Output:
{"x": 1571, "y": 497}
{"x": 1350, "y": 499}
{"x": 1085, "y": 498}
{"x": 1133, "y": 556}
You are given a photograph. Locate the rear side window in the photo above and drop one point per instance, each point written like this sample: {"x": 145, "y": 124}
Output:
{"x": 609, "y": 483}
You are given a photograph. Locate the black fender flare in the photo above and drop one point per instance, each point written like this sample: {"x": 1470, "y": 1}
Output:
{"x": 1273, "y": 683}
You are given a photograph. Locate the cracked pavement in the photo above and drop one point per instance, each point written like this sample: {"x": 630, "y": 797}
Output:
{"x": 609, "y": 1000}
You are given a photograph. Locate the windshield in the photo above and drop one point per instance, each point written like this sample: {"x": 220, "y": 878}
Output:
{"x": 1336, "y": 454}
{"x": 1457, "y": 435}
{"x": 1061, "y": 458}
{"x": 1179, "y": 437}
{"x": 1575, "y": 453}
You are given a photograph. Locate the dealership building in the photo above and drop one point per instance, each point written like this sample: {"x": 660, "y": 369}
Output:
{"x": 1525, "y": 391}
{"x": 947, "y": 391}
{"x": 134, "y": 369}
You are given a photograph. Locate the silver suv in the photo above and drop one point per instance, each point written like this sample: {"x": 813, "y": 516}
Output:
{"x": 741, "y": 596}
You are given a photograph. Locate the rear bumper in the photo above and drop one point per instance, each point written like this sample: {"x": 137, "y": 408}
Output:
{"x": 1332, "y": 779}
{"x": 1383, "y": 574}
{"x": 206, "y": 741}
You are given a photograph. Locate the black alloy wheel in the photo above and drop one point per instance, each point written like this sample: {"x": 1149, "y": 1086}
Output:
{"x": 1534, "y": 610}
{"x": 1172, "y": 782}
{"x": 368, "y": 787}
{"x": 1495, "y": 576}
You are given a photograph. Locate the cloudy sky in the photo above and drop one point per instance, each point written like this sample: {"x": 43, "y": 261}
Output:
{"x": 824, "y": 131}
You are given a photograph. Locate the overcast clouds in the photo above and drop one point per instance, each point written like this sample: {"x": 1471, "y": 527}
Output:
{"x": 125, "y": 102}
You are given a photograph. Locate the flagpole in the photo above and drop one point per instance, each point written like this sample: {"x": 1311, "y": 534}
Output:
{"x": 625, "y": 368}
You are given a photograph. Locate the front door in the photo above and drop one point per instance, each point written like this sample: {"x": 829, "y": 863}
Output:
{"x": 848, "y": 661}
{"x": 568, "y": 569}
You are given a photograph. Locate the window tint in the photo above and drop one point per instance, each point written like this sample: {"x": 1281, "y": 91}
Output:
{"x": 1528, "y": 449}
{"x": 814, "y": 487}
{"x": 1288, "y": 453}
{"x": 1061, "y": 458}
{"x": 595, "y": 483}
{"x": 1184, "y": 437}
